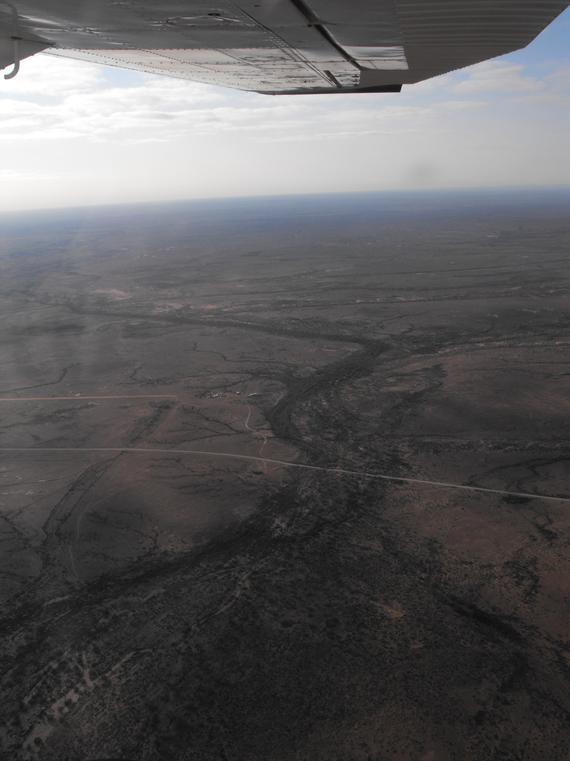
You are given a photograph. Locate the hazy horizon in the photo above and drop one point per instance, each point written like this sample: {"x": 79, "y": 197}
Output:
{"x": 456, "y": 193}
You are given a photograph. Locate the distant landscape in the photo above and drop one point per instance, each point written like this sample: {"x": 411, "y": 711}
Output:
{"x": 292, "y": 514}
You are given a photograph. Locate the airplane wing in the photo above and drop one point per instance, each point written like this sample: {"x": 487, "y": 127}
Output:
{"x": 276, "y": 46}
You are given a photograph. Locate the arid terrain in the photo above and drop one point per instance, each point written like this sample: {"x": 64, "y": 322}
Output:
{"x": 266, "y": 480}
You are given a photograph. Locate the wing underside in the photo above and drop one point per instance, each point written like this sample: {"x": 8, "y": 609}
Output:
{"x": 277, "y": 46}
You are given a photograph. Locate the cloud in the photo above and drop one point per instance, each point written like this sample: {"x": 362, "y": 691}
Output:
{"x": 79, "y": 133}
{"x": 44, "y": 76}
{"x": 83, "y": 104}
{"x": 497, "y": 77}
{"x": 55, "y": 99}
{"x": 13, "y": 175}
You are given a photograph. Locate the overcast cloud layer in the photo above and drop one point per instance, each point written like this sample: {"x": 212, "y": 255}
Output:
{"x": 74, "y": 133}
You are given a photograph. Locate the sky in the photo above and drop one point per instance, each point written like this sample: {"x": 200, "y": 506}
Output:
{"x": 74, "y": 134}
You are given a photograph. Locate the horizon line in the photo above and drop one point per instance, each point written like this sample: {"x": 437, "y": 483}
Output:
{"x": 282, "y": 196}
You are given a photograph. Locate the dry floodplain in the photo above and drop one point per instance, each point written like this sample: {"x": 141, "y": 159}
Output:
{"x": 286, "y": 480}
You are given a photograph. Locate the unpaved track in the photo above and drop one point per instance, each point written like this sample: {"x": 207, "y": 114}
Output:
{"x": 287, "y": 464}
{"x": 81, "y": 397}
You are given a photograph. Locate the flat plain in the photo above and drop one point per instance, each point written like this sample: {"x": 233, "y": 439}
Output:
{"x": 199, "y": 558}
